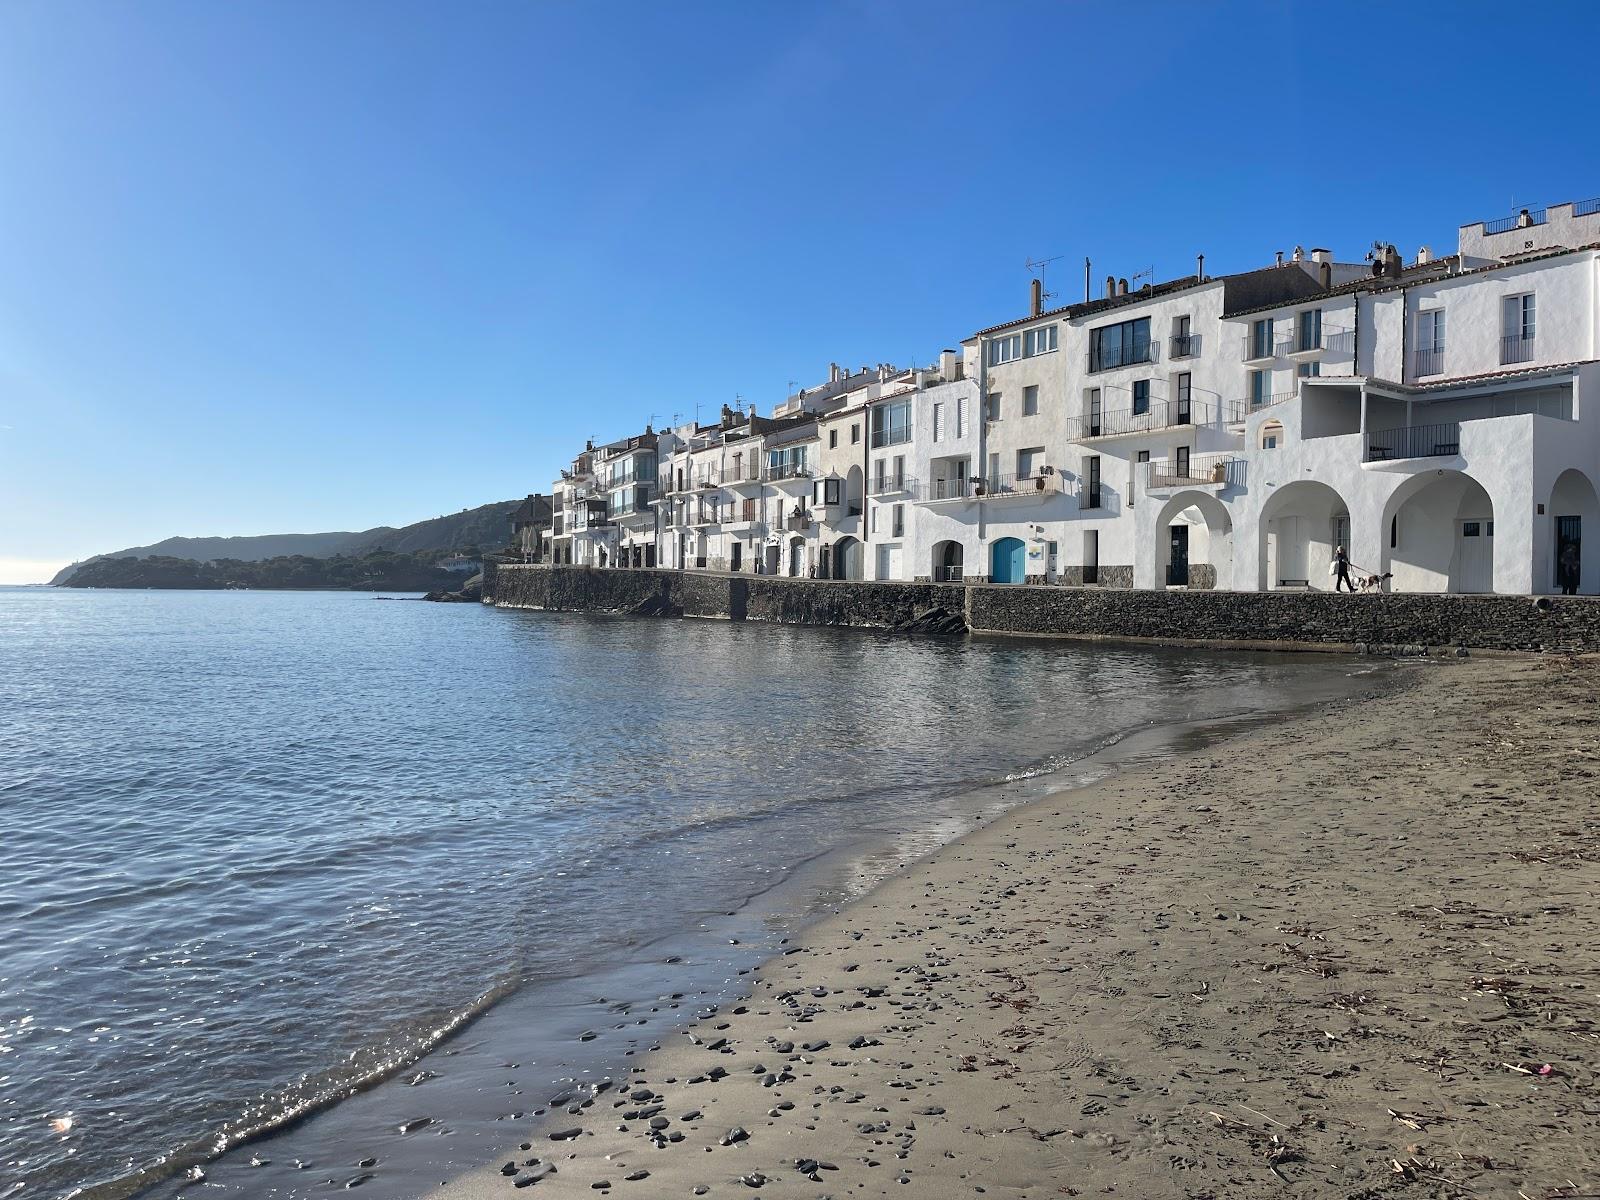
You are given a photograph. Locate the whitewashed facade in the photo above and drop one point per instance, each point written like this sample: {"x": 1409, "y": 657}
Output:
{"x": 1206, "y": 432}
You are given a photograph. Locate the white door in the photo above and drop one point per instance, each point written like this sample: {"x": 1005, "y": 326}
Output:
{"x": 1474, "y": 556}
{"x": 1286, "y": 553}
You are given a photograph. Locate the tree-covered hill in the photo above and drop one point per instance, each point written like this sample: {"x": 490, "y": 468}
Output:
{"x": 379, "y": 571}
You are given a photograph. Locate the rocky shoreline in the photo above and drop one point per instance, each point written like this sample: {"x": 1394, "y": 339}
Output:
{"x": 1343, "y": 955}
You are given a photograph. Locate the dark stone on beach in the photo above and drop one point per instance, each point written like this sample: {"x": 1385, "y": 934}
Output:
{"x": 509, "y": 1169}
{"x": 931, "y": 1110}
{"x": 813, "y": 1047}
{"x": 359, "y": 1180}
{"x": 753, "y": 1180}
{"x": 717, "y": 1073}
{"x": 659, "y": 1122}
{"x": 636, "y": 1176}
{"x": 588, "y": 1035}
{"x": 367, "y": 1162}
{"x": 566, "y": 1135}
{"x": 737, "y": 1134}
{"x": 641, "y": 1094}
{"x": 601, "y": 1185}
{"x": 413, "y": 1126}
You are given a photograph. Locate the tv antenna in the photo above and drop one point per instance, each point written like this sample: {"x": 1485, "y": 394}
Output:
{"x": 1148, "y": 273}
{"x": 1039, "y": 267}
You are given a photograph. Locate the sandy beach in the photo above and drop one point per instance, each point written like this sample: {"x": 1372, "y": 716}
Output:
{"x": 1349, "y": 955}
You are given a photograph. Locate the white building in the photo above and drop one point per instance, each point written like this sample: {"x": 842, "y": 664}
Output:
{"x": 1205, "y": 432}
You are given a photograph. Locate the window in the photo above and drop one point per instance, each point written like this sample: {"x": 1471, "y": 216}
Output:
{"x": 1094, "y": 412}
{"x": 1271, "y": 435}
{"x": 873, "y": 520}
{"x": 1183, "y": 389}
{"x": 1039, "y": 341}
{"x": 855, "y": 433}
{"x": 1182, "y": 462}
{"x": 1260, "y": 339}
{"x": 1308, "y": 330}
{"x": 1141, "y": 397}
{"x": 1309, "y": 370}
{"x": 1516, "y": 341}
{"x": 833, "y": 439}
{"x": 1430, "y": 330}
{"x": 826, "y": 491}
{"x": 899, "y": 521}
{"x": 1260, "y": 388}
{"x": 1182, "y": 342}
{"x": 1029, "y": 461}
{"x": 891, "y": 424}
{"x": 789, "y": 463}
{"x": 991, "y": 408}
{"x": 1119, "y": 345}
{"x": 961, "y": 416}
{"x": 938, "y": 420}
{"x": 1143, "y": 456}
{"x": 1030, "y": 401}
{"x": 1004, "y": 349}
{"x": 1091, "y": 481}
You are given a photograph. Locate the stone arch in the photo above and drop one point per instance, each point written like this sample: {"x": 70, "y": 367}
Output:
{"x": 1207, "y": 538}
{"x": 949, "y": 562}
{"x": 1438, "y": 534}
{"x": 1301, "y": 524}
{"x": 1574, "y": 516}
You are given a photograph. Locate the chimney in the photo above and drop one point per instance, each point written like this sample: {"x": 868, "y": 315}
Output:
{"x": 1391, "y": 261}
{"x": 833, "y": 372}
{"x": 1424, "y": 256}
{"x": 1319, "y": 255}
{"x": 1086, "y": 283}
{"x": 1036, "y": 298}
{"x": 1122, "y": 287}
{"x": 1299, "y": 255}
{"x": 947, "y": 364}
{"x": 1280, "y": 258}
{"x": 1111, "y": 286}
{"x": 1200, "y": 268}
{"x": 1325, "y": 274}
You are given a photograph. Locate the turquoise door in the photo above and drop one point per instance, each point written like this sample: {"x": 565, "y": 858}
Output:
{"x": 1009, "y": 558}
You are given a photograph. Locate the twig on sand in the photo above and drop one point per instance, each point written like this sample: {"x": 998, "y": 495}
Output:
{"x": 1262, "y": 1115}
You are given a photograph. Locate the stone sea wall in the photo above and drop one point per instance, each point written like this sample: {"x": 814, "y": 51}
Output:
{"x": 1270, "y": 620}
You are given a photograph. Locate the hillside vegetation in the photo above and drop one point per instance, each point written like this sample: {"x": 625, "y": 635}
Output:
{"x": 380, "y": 571}
{"x": 485, "y": 527}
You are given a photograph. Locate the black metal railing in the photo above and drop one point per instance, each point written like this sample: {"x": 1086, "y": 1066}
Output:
{"x": 1158, "y": 414}
{"x": 1197, "y": 470}
{"x": 708, "y": 479}
{"x": 787, "y": 471}
{"x": 948, "y": 489}
{"x": 798, "y": 522}
{"x": 1185, "y": 346}
{"x": 1535, "y": 216}
{"x": 1518, "y": 348}
{"x": 1092, "y": 495}
{"x": 1585, "y": 208}
{"x": 886, "y": 485}
{"x": 706, "y": 516}
{"x": 1418, "y": 441}
{"x": 1427, "y": 362}
{"x": 1259, "y": 347}
{"x": 1107, "y": 357}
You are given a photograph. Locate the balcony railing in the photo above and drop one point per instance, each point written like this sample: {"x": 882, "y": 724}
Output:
{"x": 798, "y": 522}
{"x": 1019, "y": 485}
{"x": 948, "y": 489}
{"x": 1517, "y": 348}
{"x": 708, "y": 479}
{"x": 1243, "y": 408}
{"x": 1337, "y": 341}
{"x": 706, "y": 516}
{"x": 1418, "y": 441}
{"x": 1536, "y": 216}
{"x": 888, "y": 485}
{"x": 1160, "y": 414}
{"x": 890, "y": 437}
{"x": 1198, "y": 471}
{"x": 1259, "y": 349}
{"x": 1186, "y": 346}
{"x": 1427, "y": 362}
{"x": 1091, "y": 495}
{"x": 1108, "y": 357}
{"x": 1586, "y": 208}
{"x": 743, "y": 472}
{"x": 787, "y": 471}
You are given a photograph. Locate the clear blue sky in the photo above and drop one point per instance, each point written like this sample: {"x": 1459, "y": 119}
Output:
{"x": 296, "y": 266}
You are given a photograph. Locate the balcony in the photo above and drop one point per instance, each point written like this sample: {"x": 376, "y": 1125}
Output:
{"x": 1239, "y": 410}
{"x": 705, "y": 516}
{"x": 1427, "y": 362}
{"x": 1014, "y": 487}
{"x": 895, "y": 436}
{"x": 891, "y": 485}
{"x": 1206, "y": 470}
{"x": 1187, "y": 346}
{"x": 1536, "y": 216}
{"x": 800, "y": 473}
{"x": 1306, "y": 345}
{"x": 742, "y": 474}
{"x": 1159, "y": 414}
{"x": 707, "y": 479}
{"x": 1258, "y": 349}
{"x": 1517, "y": 348}
{"x": 1108, "y": 358}
{"x": 1417, "y": 441}
{"x": 798, "y": 522}
{"x": 946, "y": 490}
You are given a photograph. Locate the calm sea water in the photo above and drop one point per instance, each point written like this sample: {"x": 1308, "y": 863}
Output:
{"x": 262, "y": 850}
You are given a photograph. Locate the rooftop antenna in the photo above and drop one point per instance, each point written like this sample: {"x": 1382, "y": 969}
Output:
{"x": 1148, "y": 273}
{"x": 1039, "y": 266}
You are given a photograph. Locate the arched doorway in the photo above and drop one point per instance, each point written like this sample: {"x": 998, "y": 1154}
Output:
{"x": 1194, "y": 543}
{"x": 948, "y": 559}
{"x": 1438, "y": 534}
{"x": 1574, "y": 510}
{"x": 1008, "y": 561}
{"x": 1301, "y": 526}
{"x": 847, "y": 558}
{"x": 797, "y": 557}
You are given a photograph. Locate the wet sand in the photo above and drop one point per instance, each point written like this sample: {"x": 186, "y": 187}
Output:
{"x": 1352, "y": 954}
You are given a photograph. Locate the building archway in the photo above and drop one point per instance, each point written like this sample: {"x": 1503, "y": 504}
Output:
{"x": 1301, "y": 525}
{"x": 1008, "y": 561}
{"x": 847, "y": 558}
{"x": 797, "y": 557}
{"x": 1574, "y": 510}
{"x": 1438, "y": 534}
{"x": 948, "y": 562}
{"x": 1194, "y": 542}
